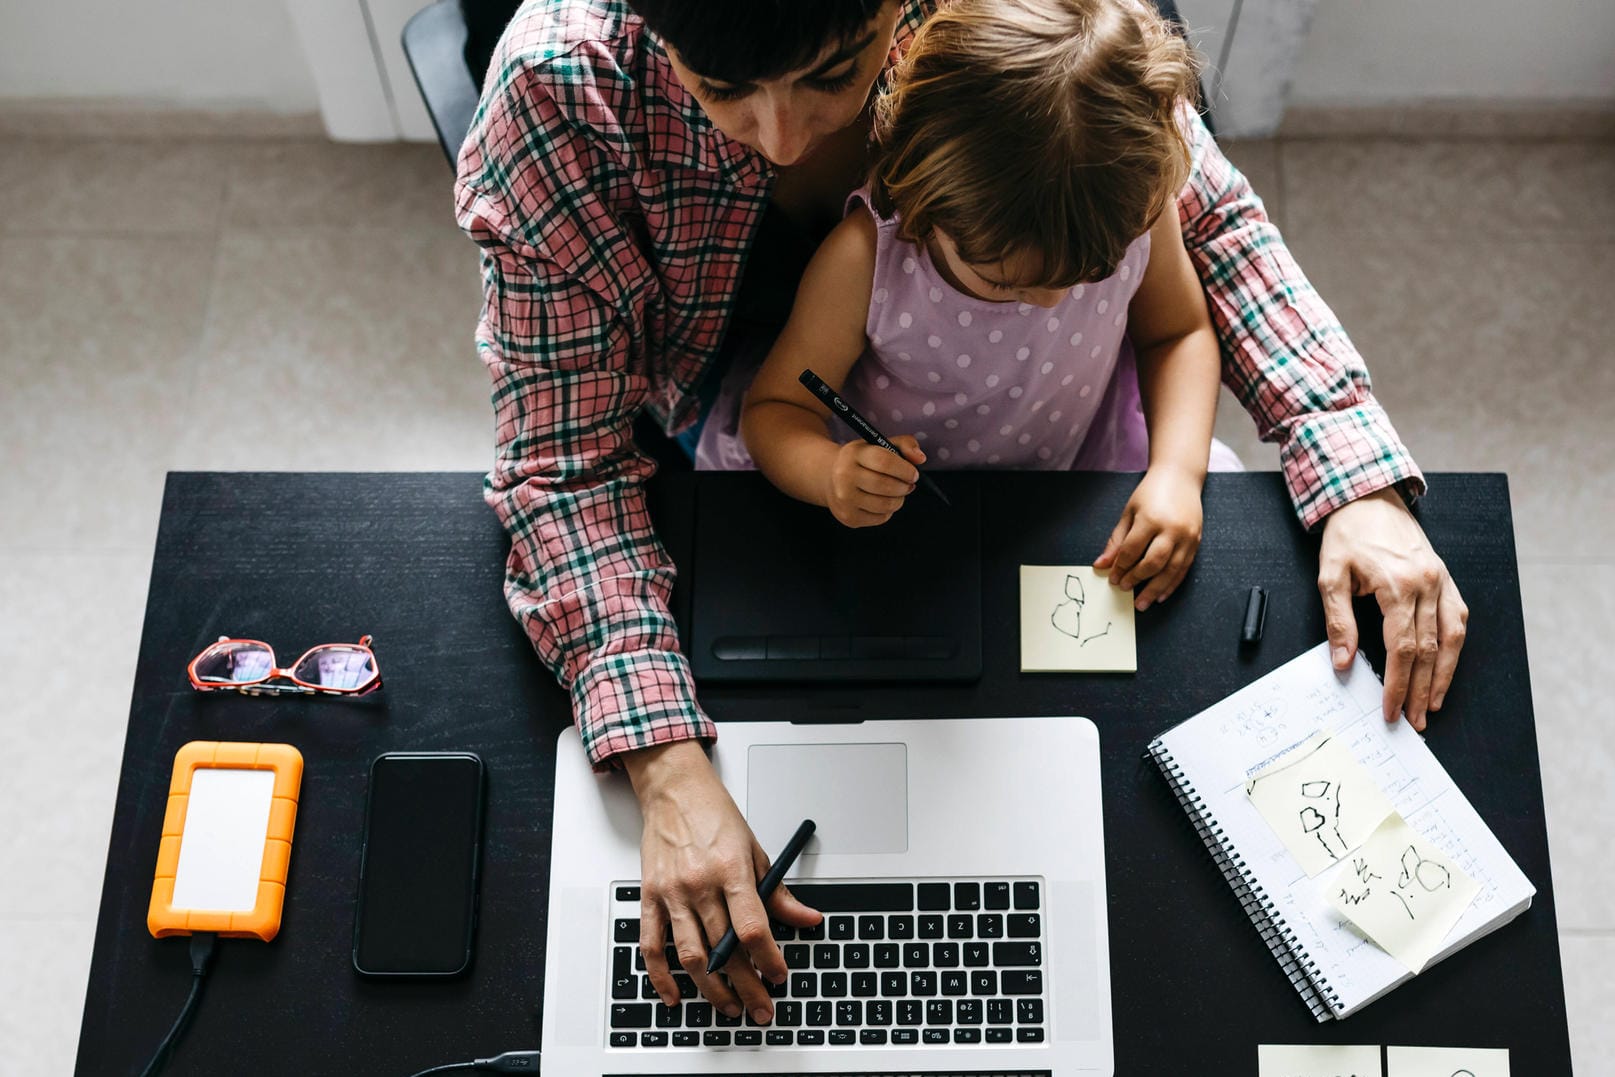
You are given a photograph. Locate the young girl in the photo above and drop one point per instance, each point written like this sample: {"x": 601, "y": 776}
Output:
{"x": 986, "y": 296}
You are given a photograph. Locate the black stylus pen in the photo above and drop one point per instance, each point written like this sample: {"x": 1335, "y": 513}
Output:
{"x": 725, "y": 949}
{"x": 860, "y": 425}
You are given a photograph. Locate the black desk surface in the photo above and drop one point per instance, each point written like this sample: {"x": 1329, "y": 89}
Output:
{"x": 418, "y": 560}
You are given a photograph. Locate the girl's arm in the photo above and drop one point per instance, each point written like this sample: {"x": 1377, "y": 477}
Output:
{"x": 1178, "y": 369}
{"x": 786, "y": 428}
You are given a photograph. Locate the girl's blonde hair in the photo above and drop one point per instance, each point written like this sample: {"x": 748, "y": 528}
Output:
{"x": 1042, "y": 126}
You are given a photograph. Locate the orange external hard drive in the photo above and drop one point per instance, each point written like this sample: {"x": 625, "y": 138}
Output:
{"x": 227, "y": 840}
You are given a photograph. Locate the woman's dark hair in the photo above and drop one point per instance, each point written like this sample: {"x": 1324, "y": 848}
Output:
{"x": 749, "y": 40}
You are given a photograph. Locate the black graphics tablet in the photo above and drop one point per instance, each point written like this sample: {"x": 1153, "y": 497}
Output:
{"x": 783, "y": 592}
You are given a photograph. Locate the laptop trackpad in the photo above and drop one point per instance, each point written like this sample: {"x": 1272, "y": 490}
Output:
{"x": 856, "y": 794}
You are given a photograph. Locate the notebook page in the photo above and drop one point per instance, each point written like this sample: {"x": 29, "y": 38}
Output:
{"x": 1220, "y": 747}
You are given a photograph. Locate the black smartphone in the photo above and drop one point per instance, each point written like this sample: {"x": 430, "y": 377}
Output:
{"x": 419, "y": 865}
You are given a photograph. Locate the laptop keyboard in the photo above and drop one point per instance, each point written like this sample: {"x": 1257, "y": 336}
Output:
{"x": 899, "y": 963}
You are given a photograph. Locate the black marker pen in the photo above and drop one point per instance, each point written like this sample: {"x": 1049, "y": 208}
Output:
{"x": 1255, "y": 616}
{"x": 721, "y": 953}
{"x": 860, "y": 425}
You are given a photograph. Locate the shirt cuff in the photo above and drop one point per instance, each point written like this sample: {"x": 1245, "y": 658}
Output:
{"x": 1333, "y": 458}
{"x": 634, "y": 700}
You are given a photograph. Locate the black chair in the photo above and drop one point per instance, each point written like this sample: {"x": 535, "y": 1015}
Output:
{"x": 448, "y": 47}
{"x": 438, "y": 45}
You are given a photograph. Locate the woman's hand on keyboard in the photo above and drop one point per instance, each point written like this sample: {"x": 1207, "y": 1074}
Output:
{"x": 699, "y": 870}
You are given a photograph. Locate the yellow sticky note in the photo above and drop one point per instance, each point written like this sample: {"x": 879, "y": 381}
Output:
{"x": 1447, "y": 1062}
{"x": 1317, "y": 1060}
{"x": 1074, "y": 621}
{"x": 1319, "y": 801}
{"x": 1400, "y": 891}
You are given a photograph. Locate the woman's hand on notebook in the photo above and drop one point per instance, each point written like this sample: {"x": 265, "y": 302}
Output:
{"x": 699, "y": 870}
{"x": 1374, "y": 546}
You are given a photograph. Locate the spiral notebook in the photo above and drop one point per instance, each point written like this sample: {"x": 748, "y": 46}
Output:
{"x": 1335, "y": 969}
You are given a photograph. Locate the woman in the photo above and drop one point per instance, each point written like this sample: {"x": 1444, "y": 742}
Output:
{"x": 631, "y": 162}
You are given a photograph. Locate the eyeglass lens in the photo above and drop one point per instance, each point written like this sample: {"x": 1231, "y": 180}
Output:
{"x": 336, "y": 666}
{"x": 234, "y": 663}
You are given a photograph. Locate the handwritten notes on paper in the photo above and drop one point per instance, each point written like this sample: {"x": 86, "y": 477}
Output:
{"x": 1319, "y": 801}
{"x": 1074, "y": 621}
{"x": 1400, "y": 891}
{"x": 1320, "y": 1060}
{"x": 1446, "y": 1062}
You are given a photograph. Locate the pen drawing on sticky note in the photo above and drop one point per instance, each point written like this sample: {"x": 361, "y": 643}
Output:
{"x": 1430, "y": 875}
{"x": 1067, "y": 615}
{"x": 1323, "y": 821}
{"x": 1402, "y": 892}
{"x": 1417, "y": 875}
{"x": 1319, "y": 801}
{"x": 1074, "y": 621}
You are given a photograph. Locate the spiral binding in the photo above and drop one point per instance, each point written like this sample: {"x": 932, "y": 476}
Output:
{"x": 1301, "y": 970}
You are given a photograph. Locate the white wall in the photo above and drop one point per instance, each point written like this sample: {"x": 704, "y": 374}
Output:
{"x": 188, "y": 53}
{"x": 244, "y": 53}
{"x": 1250, "y": 49}
{"x": 1386, "y": 51}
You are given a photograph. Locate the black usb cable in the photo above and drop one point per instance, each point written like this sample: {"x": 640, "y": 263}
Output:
{"x": 202, "y": 943}
{"x": 202, "y": 947}
{"x": 509, "y": 1062}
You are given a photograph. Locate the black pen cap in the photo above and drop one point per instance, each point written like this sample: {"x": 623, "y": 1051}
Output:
{"x": 1255, "y": 616}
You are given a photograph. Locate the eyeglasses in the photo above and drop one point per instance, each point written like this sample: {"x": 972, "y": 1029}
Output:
{"x": 248, "y": 665}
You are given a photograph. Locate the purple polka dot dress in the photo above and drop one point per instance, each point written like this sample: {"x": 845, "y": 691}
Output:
{"x": 984, "y": 384}
{"x": 997, "y": 384}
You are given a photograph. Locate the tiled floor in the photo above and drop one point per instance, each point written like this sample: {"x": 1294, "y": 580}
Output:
{"x": 160, "y": 303}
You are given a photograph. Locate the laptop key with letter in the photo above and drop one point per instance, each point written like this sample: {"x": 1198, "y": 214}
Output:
{"x": 932, "y": 994}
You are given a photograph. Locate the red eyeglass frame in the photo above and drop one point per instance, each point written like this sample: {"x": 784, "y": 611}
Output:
{"x": 261, "y": 685}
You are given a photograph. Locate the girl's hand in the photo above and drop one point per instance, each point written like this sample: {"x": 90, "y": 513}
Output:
{"x": 867, "y": 484}
{"x": 1157, "y": 537}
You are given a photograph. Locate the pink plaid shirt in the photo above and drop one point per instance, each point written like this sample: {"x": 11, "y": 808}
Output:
{"x": 614, "y": 221}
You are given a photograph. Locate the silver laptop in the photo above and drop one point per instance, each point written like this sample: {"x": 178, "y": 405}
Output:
{"x": 960, "y": 865}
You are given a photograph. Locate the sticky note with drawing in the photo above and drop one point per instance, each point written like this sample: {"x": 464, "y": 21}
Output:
{"x": 1319, "y": 801}
{"x": 1402, "y": 892}
{"x": 1447, "y": 1062}
{"x": 1074, "y": 621}
{"x": 1317, "y": 1060}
